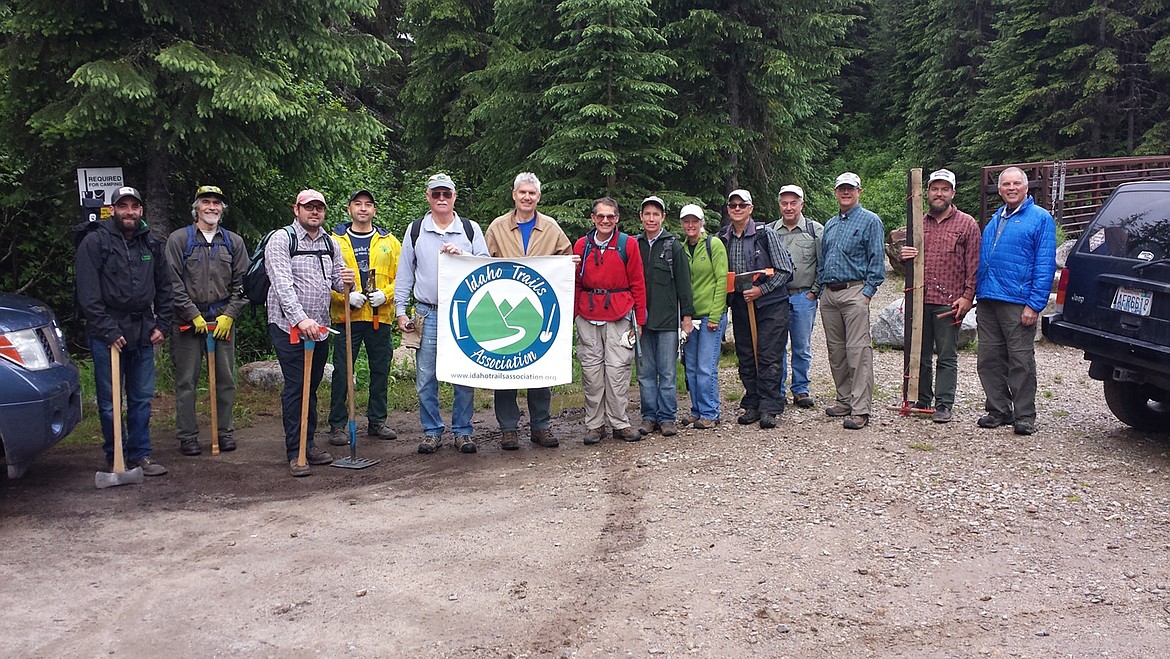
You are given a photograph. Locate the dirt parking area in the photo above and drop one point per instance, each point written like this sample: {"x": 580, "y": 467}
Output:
{"x": 905, "y": 539}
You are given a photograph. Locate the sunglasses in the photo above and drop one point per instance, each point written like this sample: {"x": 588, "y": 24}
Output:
{"x": 736, "y": 206}
{"x": 605, "y": 216}
{"x": 441, "y": 193}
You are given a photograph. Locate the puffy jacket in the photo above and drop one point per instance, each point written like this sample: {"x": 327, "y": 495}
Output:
{"x": 384, "y": 251}
{"x": 1018, "y": 266}
{"x": 123, "y": 287}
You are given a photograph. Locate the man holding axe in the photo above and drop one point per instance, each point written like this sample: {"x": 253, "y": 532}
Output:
{"x": 760, "y": 268}
{"x": 303, "y": 268}
{"x": 125, "y": 293}
{"x": 206, "y": 263}
{"x": 373, "y": 253}
{"x": 951, "y": 252}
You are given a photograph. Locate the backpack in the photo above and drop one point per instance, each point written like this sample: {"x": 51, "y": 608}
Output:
{"x": 416, "y": 229}
{"x": 211, "y": 247}
{"x": 621, "y": 248}
{"x": 256, "y": 282}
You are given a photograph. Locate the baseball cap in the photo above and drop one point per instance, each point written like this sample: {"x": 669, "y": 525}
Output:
{"x": 360, "y": 193}
{"x": 942, "y": 175}
{"x": 691, "y": 209}
{"x": 742, "y": 194}
{"x": 848, "y": 178}
{"x": 209, "y": 191}
{"x": 654, "y": 200}
{"x": 794, "y": 189}
{"x": 125, "y": 191}
{"x": 440, "y": 181}
{"x": 306, "y": 196}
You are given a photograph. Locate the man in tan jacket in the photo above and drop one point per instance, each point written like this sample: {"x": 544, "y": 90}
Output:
{"x": 519, "y": 233}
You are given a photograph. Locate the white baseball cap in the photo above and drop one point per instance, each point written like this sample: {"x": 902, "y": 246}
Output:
{"x": 742, "y": 194}
{"x": 653, "y": 200}
{"x": 942, "y": 175}
{"x": 794, "y": 189}
{"x": 691, "y": 209}
{"x": 848, "y": 178}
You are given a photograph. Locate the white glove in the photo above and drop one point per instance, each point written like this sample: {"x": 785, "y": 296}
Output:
{"x": 357, "y": 300}
{"x": 377, "y": 298}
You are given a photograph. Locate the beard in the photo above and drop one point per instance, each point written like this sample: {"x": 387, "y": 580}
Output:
{"x": 211, "y": 218}
{"x": 940, "y": 206}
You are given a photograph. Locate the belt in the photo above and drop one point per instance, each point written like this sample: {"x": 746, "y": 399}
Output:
{"x": 843, "y": 285}
{"x": 426, "y": 304}
{"x": 607, "y": 292}
{"x": 793, "y": 291}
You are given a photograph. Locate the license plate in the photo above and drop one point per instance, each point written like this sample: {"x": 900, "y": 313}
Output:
{"x": 1133, "y": 301}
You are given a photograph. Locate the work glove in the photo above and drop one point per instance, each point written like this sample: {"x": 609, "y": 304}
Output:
{"x": 223, "y": 327}
{"x": 199, "y": 324}
{"x": 357, "y": 300}
{"x": 377, "y": 298}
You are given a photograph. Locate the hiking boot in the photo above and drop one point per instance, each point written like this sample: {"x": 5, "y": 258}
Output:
{"x": 838, "y": 410}
{"x": 594, "y": 435}
{"x": 749, "y": 417}
{"x": 227, "y": 443}
{"x": 648, "y": 426}
{"x": 464, "y": 444}
{"x": 669, "y": 429}
{"x": 990, "y": 420}
{"x": 856, "y": 422}
{"x": 1023, "y": 428}
{"x": 629, "y": 434}
{"x": 430, "y": 444}
{"x": 804, "y": 399}
{"x": 767, "y": 421}
{"x": 703, "y": 424}
{"x": 942, "y": 414}
{"x": 338, "y": 437}
{"x": 149, "y": 467}
{"x": 318, "y": 457}
{"x": 543, "y": 437}
{"x": 382, "y": 431}
{"x": 190, "y": 446}
{"x": 690, "y": 420}
{"x": 919, "y": 405}
{"x": 296, "y": 470}
{"x": 510, "y": 440}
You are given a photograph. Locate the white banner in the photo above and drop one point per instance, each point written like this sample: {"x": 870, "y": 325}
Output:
{"x": 505, "y": 323}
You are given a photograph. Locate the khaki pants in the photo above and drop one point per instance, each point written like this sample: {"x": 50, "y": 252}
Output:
{"x": 1007, "y": 361}
{"x": 606, "y": 367}
{"x": 845, "y": 317}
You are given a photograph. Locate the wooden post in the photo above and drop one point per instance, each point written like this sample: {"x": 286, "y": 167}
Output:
{"x": 915, "y": 288}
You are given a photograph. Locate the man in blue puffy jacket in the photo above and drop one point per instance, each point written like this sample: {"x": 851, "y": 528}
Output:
{"x": 1016, "y": 265}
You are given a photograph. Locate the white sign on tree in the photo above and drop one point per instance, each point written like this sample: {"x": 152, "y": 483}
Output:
{"x": 98, "y": 183}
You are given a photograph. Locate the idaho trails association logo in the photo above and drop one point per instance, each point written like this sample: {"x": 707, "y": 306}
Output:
{"x": 504, "y": 316}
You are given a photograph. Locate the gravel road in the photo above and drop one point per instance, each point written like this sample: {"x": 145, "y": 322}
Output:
{"x": 905, "y": 539}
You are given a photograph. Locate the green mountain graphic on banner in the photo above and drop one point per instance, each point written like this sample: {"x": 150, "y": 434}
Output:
{"x": 503, "y": 329}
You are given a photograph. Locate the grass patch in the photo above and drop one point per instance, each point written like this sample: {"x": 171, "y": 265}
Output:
{"x": 921, "y": 446}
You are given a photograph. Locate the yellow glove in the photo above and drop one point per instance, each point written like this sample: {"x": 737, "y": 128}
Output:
{"x": 223, "y": 327}
{"x": 200, "y": 325}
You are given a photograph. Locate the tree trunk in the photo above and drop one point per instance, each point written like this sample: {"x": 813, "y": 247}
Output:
{"x": 158, "y": 207}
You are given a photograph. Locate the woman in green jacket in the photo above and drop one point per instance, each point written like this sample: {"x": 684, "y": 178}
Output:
{"x": 708, "y": 259}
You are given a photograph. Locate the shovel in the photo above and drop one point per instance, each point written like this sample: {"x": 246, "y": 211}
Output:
{"x": 211, "y": 389}
{"x": 119, "y": 476}
{"x": 353, "y": 461}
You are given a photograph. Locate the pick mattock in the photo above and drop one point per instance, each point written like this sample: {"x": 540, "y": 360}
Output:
{"x": 353, "y": 461}
{"x": 915, "y": 288}
{"x": 294, "y": 334}
{"x": 734, "y": 278}
{"x": 211, "y": 388}
{"x": 119, "y": 476}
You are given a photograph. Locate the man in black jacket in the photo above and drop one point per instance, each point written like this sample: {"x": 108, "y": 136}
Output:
{"x": 125, "y": 293}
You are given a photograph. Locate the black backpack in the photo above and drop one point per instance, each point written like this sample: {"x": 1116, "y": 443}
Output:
{"x": 256, "y": 282}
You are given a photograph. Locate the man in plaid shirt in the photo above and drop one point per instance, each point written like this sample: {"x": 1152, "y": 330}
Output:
{"x": 951, "y": 249}
{"x": 302, "y": 274}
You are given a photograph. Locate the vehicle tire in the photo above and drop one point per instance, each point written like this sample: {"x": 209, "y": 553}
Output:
{"x": 1131, "y": 404}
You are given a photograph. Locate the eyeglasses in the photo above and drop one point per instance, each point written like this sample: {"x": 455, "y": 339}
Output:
{"x": 441, "y": 193}
{"x": 314, "y": 207}
{"x": 605, "y": 216}
{"x": 737, "y": 206}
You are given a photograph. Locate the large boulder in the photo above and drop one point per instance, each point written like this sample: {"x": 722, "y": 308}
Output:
{"x": 890, "y": 327}
{"x": 267, "y": 375}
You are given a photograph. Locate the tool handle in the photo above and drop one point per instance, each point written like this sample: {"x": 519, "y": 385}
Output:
{"x": 116, "y": 386}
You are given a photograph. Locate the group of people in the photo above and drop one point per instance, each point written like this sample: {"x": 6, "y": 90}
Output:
{"x": 652, "y": 298}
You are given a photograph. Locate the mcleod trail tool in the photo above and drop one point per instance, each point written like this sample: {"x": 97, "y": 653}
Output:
{"x": 211, "y": 390}
{"x": 119, "y": 476}
{"x": 735, "y": 279}
{"x": 353, "y": 461}
{"x": 915, "y": 287}
{"x": 293, "y": 335}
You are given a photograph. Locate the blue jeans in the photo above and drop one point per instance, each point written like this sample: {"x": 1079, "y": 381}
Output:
{"x": 656, "y": 375}
{"x": 427, "y": 384}
{"x": 138, "y": 378}
{"x": 701, "y": 359}
{"x": 800, "y": 326}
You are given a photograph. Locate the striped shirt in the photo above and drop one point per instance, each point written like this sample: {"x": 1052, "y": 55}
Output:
{"x": 301, "y": 284}
{"x": 853, "y": 250}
